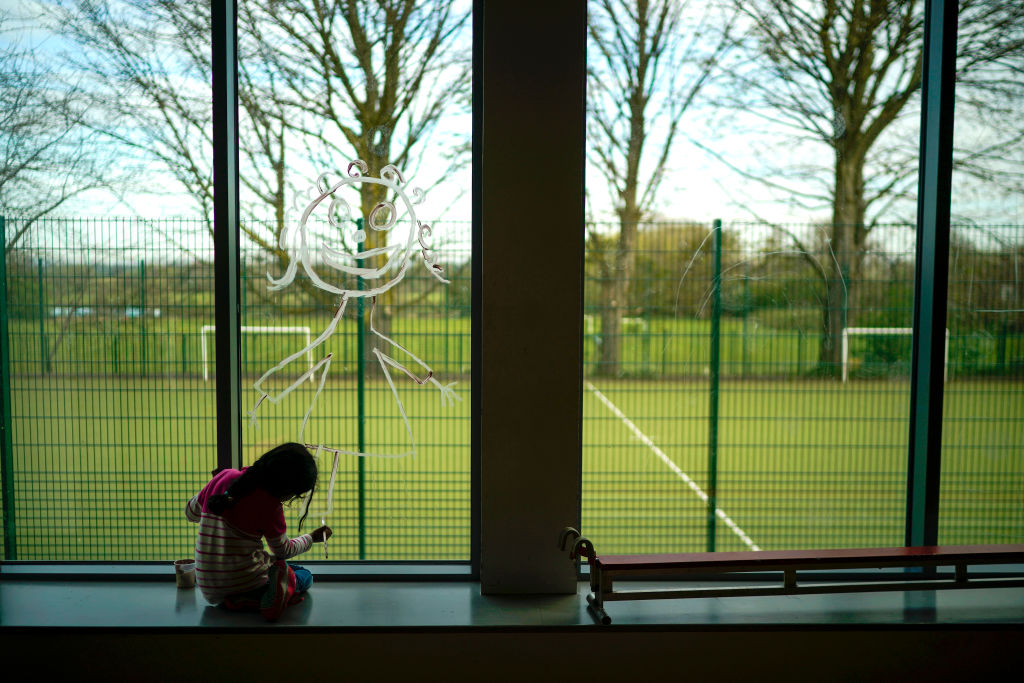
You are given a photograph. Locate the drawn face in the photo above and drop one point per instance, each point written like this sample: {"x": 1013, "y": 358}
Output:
{"x": 388, "y": 216}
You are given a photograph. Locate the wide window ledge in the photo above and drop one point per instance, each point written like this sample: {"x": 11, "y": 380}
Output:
{"x": 373, "y": 605}
{"x": 324, "y": 571}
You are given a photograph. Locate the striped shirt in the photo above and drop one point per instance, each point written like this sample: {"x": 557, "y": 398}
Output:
{"x": 230, "y": 556}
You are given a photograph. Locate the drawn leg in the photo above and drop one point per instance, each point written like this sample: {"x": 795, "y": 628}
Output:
{"x": 385, "y": 361}
{"x": 324, "y": 362}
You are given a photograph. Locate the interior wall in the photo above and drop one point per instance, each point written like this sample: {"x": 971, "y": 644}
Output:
{"x": 930, "y": 653}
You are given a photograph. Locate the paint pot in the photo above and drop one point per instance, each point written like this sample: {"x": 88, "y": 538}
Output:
{"x": 185, "y": 573}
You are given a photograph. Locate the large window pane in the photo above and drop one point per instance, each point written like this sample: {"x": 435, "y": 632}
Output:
{"x": 112, "y": 354}
{"x": 109, "y": 278}
{"x": 982, "y": 493}
{"x": 771, "y": 116}
{"x": 320, "y": 89}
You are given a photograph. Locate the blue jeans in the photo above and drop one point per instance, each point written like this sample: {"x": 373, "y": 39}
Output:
{"x": 303, "y": 578}
{"x": 303, "y": 582}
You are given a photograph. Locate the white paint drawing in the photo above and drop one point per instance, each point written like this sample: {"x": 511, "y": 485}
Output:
{"x": 398, "y": 256}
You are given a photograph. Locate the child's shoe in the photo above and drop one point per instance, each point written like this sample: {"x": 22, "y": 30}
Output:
{"x": 280, "y": 591}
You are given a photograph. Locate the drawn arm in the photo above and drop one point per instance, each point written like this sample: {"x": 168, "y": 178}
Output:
{"x": 448, "y": 395}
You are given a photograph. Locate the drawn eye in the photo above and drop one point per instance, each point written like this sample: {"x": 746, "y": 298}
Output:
{"x": 383, "y": 216}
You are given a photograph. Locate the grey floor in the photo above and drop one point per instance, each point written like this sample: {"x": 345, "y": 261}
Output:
{"x": 369, "y": 605}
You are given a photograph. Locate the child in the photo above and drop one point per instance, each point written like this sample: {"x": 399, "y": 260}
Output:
{"x": 235, "y": 511}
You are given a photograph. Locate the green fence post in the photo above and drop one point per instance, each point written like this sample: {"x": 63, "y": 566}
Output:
{"x": 184, "y": 355}
{"x": 244, "y": 347}
{"x": 746, "y": 319}
{"x": 458, "y": 350}
{"x": 6, "y": 439}
{"x": 1001, "y": 350}
{"x": 142, "y": 313}
{"x": 447, "y": 332}
{"x": 664, "y": 351}
{"x": 44, "y": 359}
{"x": 361, "y": 405}
{"x": 799, "y": 352}
{"x": 716, "y": 314}
{"x": 645, "y": 341}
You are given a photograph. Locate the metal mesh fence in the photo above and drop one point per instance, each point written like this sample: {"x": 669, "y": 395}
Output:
{"x": 112, "y": 369}
{"x": 112, "y": 412}
{"x": 772, "y": 411}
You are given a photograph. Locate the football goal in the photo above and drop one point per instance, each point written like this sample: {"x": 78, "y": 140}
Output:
{"x": 884, "y": 331}
{"x": 255, "y": 330}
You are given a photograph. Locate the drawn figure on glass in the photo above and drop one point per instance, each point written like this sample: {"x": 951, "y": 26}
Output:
{"x": 398, "y": 255}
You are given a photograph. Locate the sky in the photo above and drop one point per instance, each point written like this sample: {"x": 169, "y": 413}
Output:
{"x": 697, "y": 186}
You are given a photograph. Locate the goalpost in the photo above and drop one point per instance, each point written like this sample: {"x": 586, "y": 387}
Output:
{"x": 258, "y": 329}
{"x": 847, "y": 331}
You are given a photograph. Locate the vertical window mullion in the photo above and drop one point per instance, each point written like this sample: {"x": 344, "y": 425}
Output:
{"x": 531, "y": 299}
{"x": 931, "y": 273}
{"x": 224, "y": 45}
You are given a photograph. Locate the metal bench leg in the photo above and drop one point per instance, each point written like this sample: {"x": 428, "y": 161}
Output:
{"x": 597, "y": 610}
{"x": 599, "y": 583}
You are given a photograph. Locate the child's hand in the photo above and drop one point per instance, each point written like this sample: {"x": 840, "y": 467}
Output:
{"x": 322, "y": 534}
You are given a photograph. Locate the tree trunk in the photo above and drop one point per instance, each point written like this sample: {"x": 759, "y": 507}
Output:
{"x": 846, "y": 231}
{"x": 370, "y": 195}
{"x": 615, "y": 293}
{"x": 611, "y": 325}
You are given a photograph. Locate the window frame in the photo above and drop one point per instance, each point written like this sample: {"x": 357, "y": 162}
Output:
{"x": 508, "y": 556}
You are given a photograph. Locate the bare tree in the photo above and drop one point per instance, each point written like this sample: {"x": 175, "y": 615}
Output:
{"x": 650, "y": 62}
{"x": 147, "y": 70}
{"x": 843, "y": 75}
{"x": 47, "y": 157}
{"x": 320, "y": 83}
{"x": 368, "y": 79}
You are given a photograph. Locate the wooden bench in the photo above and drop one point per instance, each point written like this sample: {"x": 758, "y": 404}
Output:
{"x": 604, "y": 570}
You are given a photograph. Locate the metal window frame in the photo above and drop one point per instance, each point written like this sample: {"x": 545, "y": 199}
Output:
{"x": 924, "y": 451}
{"x": 226, "y": 215}
{"x": 931, "y": 273}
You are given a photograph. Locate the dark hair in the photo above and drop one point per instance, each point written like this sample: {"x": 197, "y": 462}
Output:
{"x": 285, "y": 472}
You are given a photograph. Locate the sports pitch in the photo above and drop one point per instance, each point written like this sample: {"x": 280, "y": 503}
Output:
{"x": 104, "y": 466}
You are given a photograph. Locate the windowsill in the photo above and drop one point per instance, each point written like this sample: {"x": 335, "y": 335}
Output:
{"x": 340, "y": 605}
{"x": 155, "y": 571}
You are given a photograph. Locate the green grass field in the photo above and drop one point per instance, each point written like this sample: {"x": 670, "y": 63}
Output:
{"x": 104, "y": 466}
{"x": 659, "y": 348}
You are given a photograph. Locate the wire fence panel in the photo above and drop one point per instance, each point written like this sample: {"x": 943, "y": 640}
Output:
{"x": 408, "y": 508}
{"x": 113, "y": 368}
{"x": 982, "y": 481}
{"x": 112, "y": 429}
{"x": 716, "y": 410}
{"x": 809, "y": 445}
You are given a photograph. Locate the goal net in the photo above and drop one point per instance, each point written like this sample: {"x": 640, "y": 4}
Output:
{"x": 257, "y": 329}
{"x": 879, "y": 346}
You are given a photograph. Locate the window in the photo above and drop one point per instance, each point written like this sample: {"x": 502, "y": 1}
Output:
{"x": 720, "y": 413}
{"x": 108, "y": 422}
{"x": 981, "y": 492}
{"x": 534, "y": 350}
{"x": 112, "y": 362}
{"x": 390, "y": 87}
{"x": 750, "y": 387}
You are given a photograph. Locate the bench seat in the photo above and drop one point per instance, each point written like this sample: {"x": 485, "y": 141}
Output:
{"x": 605, "y": 569}
{"x": 842, "y": 558}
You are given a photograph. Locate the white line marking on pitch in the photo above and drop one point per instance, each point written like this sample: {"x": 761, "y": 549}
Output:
{"x": 672, "y": 466}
